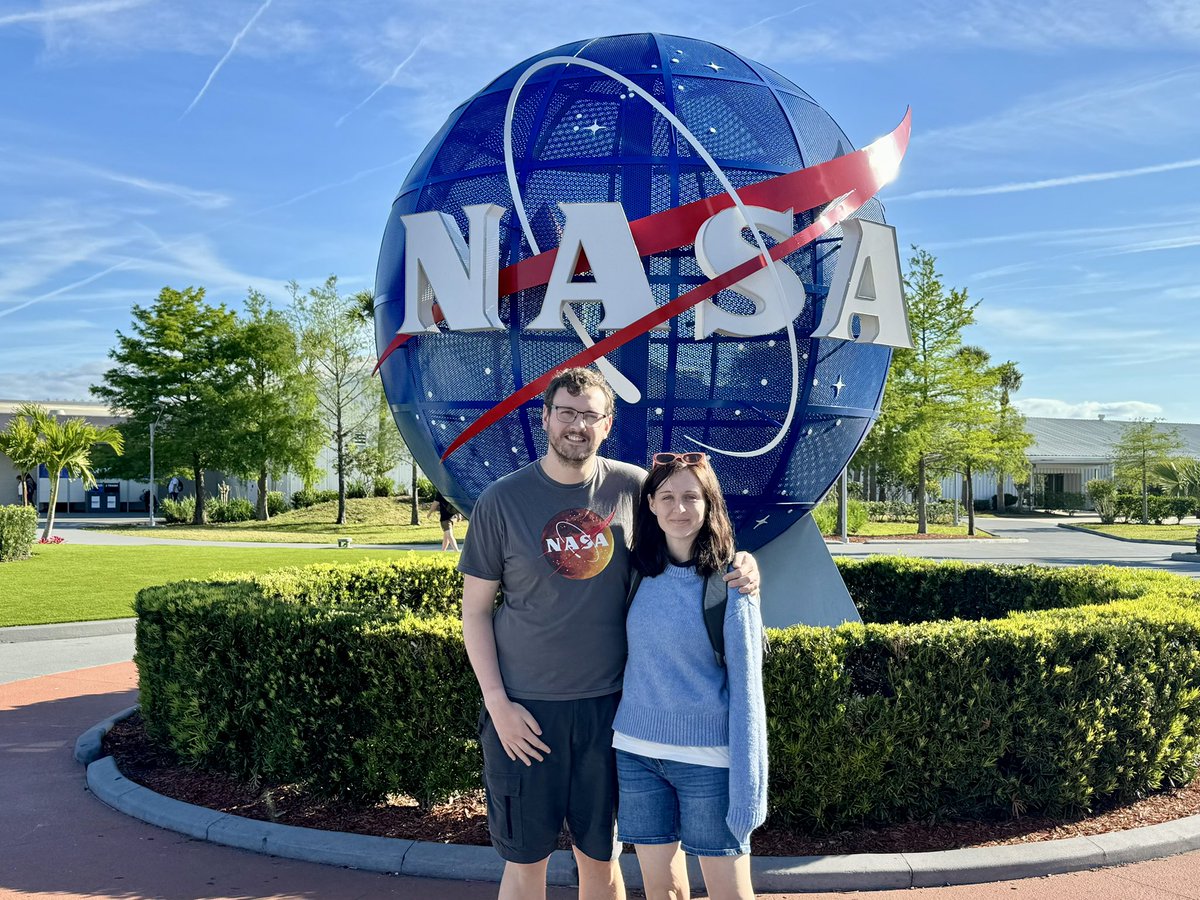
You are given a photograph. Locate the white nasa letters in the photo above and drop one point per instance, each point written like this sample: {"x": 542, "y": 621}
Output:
{"x": 436, "y": 268}
{"x": 869, "y": 260}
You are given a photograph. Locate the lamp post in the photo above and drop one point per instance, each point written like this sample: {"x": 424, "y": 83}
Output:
{"x": 153, "y": 485}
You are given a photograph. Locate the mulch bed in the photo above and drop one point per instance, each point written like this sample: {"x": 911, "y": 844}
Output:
{"x": 464, "y": 820}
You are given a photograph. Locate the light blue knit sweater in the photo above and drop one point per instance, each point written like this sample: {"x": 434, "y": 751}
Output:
{"x": 675, "y": 693}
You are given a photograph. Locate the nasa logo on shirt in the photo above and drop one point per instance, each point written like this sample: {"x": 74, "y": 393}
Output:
{"x": 577, "y": 543}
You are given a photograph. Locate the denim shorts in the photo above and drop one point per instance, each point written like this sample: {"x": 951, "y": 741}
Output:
{"x": 663, "y": 801}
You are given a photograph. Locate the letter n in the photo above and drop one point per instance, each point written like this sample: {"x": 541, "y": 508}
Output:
{"x": 440, "y": 268}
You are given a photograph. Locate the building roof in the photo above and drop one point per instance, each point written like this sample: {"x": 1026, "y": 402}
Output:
{"x": 96, "y": 413}
{"x": 1091, "y": 440}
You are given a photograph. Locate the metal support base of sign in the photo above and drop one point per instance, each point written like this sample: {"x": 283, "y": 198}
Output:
{"x": 801, "y": 584}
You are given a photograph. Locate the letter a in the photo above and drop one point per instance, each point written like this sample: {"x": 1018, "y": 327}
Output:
{"x": 601, "y": 231}
{"x": 440, "y": 268}
{"x": 867, "y": 284}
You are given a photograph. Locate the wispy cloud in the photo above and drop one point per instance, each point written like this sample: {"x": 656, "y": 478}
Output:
{"x": 1016, "y": 187}
{"x": 396, "y": 71}
{"x": 53, "y": 14}
{"x": 191, "y": 196}
{"x": 228, "y": 53}
{"x": 1042, "y": 407}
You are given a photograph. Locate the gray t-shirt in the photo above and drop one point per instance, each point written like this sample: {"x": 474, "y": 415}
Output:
{"x": 561, "y": 555}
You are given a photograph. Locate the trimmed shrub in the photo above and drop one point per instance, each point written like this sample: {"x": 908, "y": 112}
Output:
{"x": 178, "y": 512}
{"x": 425, "y": 490}
{"x": 276, "y": 503}
{"x": 303, "y": 499}
{"x": 18, "y": 528}
{"x": 1082, "y": 688}
{"x": 1103, "y": 494}
{"x": 239, "y": 509}
{"x": 1068, "y": 501}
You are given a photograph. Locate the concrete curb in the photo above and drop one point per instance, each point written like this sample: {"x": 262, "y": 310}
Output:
{"x": 1186, "y": 557}
{"x": 1113, "y": 537}
{"x": 772, "y": 874}
{"x": 88, "y": 746}
{"x": 18, "y": 634}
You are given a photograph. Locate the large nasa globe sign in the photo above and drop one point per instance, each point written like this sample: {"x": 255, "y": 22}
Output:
{"x": 683, "y": 218}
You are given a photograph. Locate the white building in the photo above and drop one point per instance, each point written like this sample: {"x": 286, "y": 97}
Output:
{"x": 126, "y": 496}
{"x": 1068, "y": 453}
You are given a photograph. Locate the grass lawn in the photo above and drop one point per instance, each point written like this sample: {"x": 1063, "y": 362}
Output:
{"x": 1158, "y": 533}
{"x": 77, "y": 582}
{"x": 373, "y": 521}
{"x": 887, "y": 529}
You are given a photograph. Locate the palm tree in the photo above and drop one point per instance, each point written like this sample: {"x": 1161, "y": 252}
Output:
{"x": 19, "y": 442}
{"x": 1010, "y": 383}
{"x": 1180, "y": 477}
{"x": 66, "y": 445}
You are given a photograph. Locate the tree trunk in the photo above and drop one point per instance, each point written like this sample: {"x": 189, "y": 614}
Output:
{"x": 970, "y": 502}
{"x": 262, "y": 513}
{"x": 999, "y": 493}
{"x": 49, "y": 529}
{"x": 1145, "y": 494}
{"x": 415, "y": 518}
{"x": 341, "y": 469}
{"x": 199, "y": 517}
{"x": 922, "y": 521}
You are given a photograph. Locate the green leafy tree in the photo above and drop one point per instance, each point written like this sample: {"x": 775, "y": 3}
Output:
{"x": 337, "y": 354}
{"x": 1142, "y": 446}
{"x": 385, "y": 448}
{"x": 926, "y": 385}
{"x": 970, "y": 435}
{"x": 178, "y": 366}
{"x": 66, "y": 446}
{"x": 19, "y": 442}
{"x": 274, "y": 404}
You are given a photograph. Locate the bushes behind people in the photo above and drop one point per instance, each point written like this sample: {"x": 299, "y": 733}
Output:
{"x": 18, "y": 529}
{"x": 1074, "y": 687}
{"x": 177, "y": 512}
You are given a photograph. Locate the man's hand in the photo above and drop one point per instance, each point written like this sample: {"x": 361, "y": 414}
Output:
{"x": 518, "y": 731}
{"x": 744, "y": 576}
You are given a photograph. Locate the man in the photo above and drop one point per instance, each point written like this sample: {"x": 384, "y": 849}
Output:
{"x": 554, "y": 537}
{"x": 175, "y": 488}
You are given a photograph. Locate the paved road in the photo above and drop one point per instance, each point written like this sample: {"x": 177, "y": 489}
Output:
{"x": 1042, "y": 541}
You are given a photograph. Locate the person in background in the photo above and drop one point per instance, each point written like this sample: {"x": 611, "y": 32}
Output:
{"x": 691, "y": 729}
{"x": 175, "y": 488}
{"x": 446, "y": 516}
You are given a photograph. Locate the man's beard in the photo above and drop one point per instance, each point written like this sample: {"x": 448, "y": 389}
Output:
{"x": 571, "y": 453}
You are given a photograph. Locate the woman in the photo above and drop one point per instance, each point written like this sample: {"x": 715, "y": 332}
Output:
{"x": 690, "y": 732}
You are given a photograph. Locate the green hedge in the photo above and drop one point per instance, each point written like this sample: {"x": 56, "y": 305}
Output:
{"x": 354, "y": 680}
{"x": 18, "y": 529}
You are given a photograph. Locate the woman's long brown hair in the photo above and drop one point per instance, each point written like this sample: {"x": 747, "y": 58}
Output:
{"x": 713, "y": 551}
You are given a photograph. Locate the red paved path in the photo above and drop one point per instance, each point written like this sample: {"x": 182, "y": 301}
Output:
{"x": 56, "y": 840}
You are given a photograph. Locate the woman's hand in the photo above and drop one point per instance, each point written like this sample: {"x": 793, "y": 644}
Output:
{"x": 744, "y": 575}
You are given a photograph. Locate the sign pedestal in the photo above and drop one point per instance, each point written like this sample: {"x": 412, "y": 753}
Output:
{"x": 801, "y": 584}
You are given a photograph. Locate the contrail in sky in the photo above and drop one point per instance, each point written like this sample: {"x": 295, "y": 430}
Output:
{"x": 228, "y": 53}
{"x": 78, "y": 11}
{"x": 794, "y": 9}
{"x": 1019, "y": 186}
{"x": 390, "y": 79}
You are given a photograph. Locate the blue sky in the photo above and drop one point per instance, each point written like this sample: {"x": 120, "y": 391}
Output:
{"x": 1054, "y": 169}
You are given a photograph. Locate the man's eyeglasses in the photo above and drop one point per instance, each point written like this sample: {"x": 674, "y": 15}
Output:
{"x": 568, "y": 415}
{"x": 688, "y": 459}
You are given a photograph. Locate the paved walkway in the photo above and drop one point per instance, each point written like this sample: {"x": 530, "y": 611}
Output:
{"x": 58, "y": 841}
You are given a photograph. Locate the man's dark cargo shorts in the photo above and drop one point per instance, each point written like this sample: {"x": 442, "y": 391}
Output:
{"x": 576, "y": 782}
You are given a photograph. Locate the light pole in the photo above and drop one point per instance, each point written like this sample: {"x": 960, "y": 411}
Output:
{"x": 153, "y": 486}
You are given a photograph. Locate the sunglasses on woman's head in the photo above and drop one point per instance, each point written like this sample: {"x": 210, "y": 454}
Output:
{"x": 688, "y": 459}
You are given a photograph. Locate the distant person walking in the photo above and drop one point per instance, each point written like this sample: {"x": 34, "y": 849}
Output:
{"x": 446, "y": 516}
{"x": 175, "y": 488}
{"x": 30, "y": 491}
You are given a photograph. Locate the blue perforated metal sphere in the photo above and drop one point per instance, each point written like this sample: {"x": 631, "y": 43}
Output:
{"x": 729, "y": 392}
